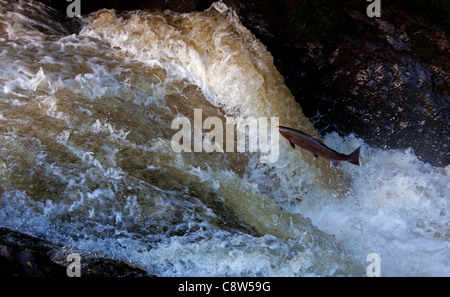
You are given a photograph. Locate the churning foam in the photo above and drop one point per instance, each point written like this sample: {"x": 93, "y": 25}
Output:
{"x": 396, "y": 207}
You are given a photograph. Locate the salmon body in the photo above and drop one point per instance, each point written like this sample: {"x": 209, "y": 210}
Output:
{"x": 316, "y": 146}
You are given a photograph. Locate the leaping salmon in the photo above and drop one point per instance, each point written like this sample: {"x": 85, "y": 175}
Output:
{"x": 317, "y": 147}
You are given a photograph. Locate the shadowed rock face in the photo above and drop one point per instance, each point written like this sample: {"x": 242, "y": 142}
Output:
{"x": 385, "y": 79}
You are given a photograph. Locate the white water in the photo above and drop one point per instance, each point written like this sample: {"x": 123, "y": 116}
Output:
{"x": 397, "y": 207}
{"x": 85, "y": 156}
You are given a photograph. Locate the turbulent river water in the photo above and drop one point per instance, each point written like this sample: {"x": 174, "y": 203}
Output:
{"x": 86, "y": 158}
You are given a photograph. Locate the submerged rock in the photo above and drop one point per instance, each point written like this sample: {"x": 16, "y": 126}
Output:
{"x": 25, "y": 255}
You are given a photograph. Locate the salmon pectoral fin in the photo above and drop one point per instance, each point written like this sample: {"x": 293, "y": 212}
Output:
{"x": 292, "y": 144}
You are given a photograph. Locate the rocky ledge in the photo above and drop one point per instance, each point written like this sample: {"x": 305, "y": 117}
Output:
{"x": 24, "y": 256}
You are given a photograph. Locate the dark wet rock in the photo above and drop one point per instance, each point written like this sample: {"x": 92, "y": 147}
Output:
{"x": 174, "y": 5}
{"x": 23, "y": 255}
{"x": 384, "y": 79}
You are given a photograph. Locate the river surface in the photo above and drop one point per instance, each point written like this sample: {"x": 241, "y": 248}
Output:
{"x": 87, "y": 159}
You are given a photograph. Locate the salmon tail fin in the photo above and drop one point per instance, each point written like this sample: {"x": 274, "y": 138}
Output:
{"x": 354, "y": 157}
